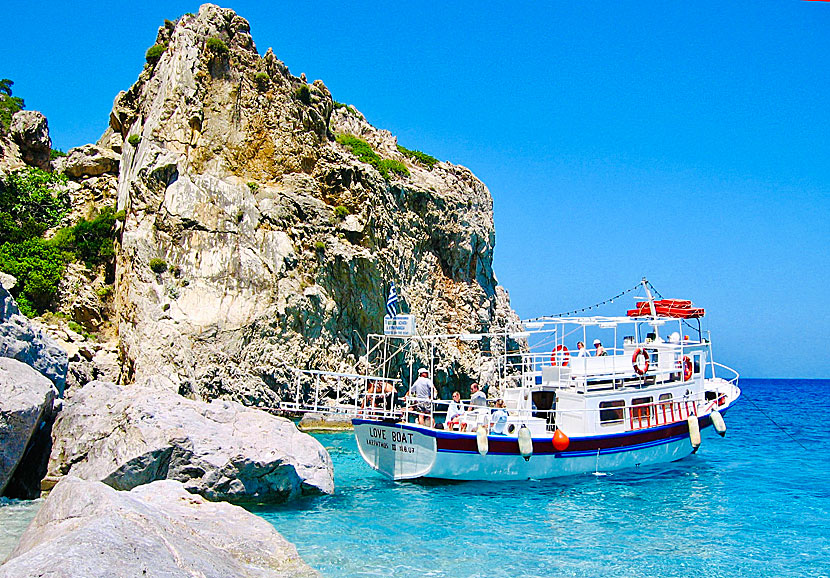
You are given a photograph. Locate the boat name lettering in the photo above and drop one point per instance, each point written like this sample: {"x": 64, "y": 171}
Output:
{"x": 377, "y": 433}
{"x": 401, "y": 437}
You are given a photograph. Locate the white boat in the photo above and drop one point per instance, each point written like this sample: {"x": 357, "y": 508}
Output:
{"x": 645, "y": 402}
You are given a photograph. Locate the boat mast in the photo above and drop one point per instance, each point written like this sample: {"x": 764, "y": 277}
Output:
{"x": 650, "y": 298}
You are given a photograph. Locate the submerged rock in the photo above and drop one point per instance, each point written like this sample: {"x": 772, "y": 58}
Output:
{"x": 128, "y": 436}
{"x": 26, "y": 399}
{"x": 86, "y": 528}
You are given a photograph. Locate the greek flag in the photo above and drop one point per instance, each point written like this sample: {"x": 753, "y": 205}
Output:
{"x": 392, "y": 301}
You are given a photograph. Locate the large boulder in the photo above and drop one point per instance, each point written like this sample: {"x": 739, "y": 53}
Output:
{"x": 21, "y": 340}
{"x": 90, "y": 161}
{"x": 88, "y": 529}
{"x": 26, "y": 398}
{"x": 133, "y": 435}
{"x": 30, "y": 132}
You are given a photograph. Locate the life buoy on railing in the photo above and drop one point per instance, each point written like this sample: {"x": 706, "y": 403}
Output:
{"x": 640, "y": 361}
{"x": 560, "y": 356}
{"x": 687, "y": 368}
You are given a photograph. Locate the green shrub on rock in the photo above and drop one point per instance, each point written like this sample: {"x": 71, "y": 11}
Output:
{"x": 303, "y": 93}
{"x": 38, "y": 267}
{"x": 158, "y": 266}
{"x": 8, "y": 104}
{"x": 341, "y": 212}
{"x": 261, "y": 80}
{"x": 392, "y": 166}
{"x": 423, "y": 158}
{"x": 217, "y": 46}
{"x": 154, "y": 53}
{"x": 134, "y": 139}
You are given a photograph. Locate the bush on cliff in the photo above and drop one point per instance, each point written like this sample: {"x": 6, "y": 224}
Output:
{"x": 154, "y": 53}
{"x": 28, "y": 208}
{"x": 217, "y": 46}
{"x": 8, "y": 104}
{"x": 304, "y": 94}
{"x": 364, "y": 152}
{"x": 423, "y": 158}
{"x": 38, "y": 267}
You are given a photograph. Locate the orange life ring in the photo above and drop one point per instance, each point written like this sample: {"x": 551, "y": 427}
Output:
{"x": 560, "y": 352}
{"x": 638, "y": 368}
{"x": 687, "y": 368}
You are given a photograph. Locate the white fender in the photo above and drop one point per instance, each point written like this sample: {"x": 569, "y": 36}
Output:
{"x": 525, "y": 442}
{"x": 694, "y": 432}
{"x": 481, "y": 440}
{"x": 717, "y": 421}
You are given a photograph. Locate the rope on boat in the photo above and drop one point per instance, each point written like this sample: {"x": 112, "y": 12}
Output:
{"x": 763, "y": 413}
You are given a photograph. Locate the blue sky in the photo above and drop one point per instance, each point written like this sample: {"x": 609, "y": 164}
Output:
{"x": 687, "y": 142}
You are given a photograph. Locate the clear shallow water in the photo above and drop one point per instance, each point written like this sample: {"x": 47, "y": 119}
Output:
{"x": 752, "y": 504}
{"x": 15, "y": 515}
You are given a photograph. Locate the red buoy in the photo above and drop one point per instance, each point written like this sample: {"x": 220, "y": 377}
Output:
{"x": 560, "y": 441}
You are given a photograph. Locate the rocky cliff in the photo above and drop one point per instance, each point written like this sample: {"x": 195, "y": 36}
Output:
{"x": 253, "y": 240}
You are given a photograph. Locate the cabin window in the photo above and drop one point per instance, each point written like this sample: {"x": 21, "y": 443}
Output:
{"x": 697, "y": 365}
{"x": 611, "y": 412}
{"x": 664, "y": 397}
{"x": 641, "y": 409}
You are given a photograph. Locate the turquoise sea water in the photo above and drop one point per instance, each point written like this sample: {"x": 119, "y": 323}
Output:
{"x": 755, "y": 503}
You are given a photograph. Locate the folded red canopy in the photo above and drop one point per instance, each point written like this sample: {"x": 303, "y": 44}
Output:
{"x": 678, "y": 308}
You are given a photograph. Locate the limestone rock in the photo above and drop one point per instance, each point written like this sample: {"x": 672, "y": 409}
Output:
{"x": 30, "y": 131}
{"x": 25, "y": 396}
{"x": 89, "y": 160}
{"x": 21, "y": 340}
{"x": 233, "y": 184}
{"x": 128, "y": 436}
{"x": 86, "y": 528}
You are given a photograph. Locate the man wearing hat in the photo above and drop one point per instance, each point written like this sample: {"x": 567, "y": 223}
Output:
{"x": 423, "y": 390}
{"x": 600, "y": 349}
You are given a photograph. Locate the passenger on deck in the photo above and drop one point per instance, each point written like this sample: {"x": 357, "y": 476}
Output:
{"x": 454, "y": 411}
{"x": 423, "y": 390}
{"x": 389, "y": 395}
{"x": 498, "y": 419}
{"x": 600, "y": 349}
{"x": 478, "y": 398}
{"x": 370, "y": 400}
{"x": 583, "y": 352}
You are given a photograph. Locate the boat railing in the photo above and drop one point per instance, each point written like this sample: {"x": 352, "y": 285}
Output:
{"x": 632, "y": 415}
{"x": 619, "y": 367}
{"x": 337, "y": 392}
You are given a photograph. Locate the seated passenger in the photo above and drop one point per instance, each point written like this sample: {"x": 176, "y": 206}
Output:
{"x": 498, "y": 419}
{"x": 478, "y": 398}
{"x": 454, "y": 411}
{"x": 583, "y": 352}
{"x": 600, "y": 349}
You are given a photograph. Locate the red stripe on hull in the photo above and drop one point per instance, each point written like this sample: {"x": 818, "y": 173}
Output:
{"x": 511, "y": 446}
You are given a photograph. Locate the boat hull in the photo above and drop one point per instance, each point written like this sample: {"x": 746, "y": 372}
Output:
{"x": 406, "y": 451}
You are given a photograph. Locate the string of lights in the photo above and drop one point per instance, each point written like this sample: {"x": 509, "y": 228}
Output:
{"x": 594, "y": 306}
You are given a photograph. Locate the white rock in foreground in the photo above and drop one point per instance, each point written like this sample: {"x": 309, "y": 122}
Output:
{"x": 88, "y": 529}
{"x": 25, "y": 395}
{"x": 133, "y": 435}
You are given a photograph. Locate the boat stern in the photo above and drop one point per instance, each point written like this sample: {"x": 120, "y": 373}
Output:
{"x": 397, "y": 450}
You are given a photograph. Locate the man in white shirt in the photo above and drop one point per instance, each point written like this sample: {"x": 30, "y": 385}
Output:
{"x": 582, "y": 350}
{"x": 478, "y": 398}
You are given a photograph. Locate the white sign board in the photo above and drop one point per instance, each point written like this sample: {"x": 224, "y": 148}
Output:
{"x": 399, "y": 325}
